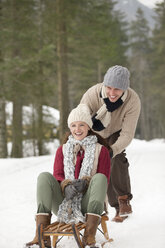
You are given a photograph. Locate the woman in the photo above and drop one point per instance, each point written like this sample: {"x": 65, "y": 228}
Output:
{"x": 79, "y": 182}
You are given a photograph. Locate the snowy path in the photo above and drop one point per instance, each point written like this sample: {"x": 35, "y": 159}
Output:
{"x": 144, "y": 228}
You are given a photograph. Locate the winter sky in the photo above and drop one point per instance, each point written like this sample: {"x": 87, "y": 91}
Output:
{"x": 150, "y": 3}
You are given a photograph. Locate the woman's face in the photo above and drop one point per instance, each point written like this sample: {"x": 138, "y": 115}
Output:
{"x": 79, "y": 129}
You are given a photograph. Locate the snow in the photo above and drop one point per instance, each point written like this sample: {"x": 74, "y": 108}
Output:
{"x": 145, "y": 228}
{"x": 51, "y": 115}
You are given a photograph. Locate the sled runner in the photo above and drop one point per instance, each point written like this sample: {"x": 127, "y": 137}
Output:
{"x": 57, "y": 229}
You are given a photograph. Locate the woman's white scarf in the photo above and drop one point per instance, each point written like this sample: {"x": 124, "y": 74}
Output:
{"x": 70, "y": 211}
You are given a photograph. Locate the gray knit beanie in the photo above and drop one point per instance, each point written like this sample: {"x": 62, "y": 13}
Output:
{"x": 117, "y": 77}
{"x": 81, "y": 113}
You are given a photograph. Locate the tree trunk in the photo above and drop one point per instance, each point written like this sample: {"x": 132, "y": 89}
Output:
{"x": 17, "y": 128}
{"x": 3, "y": 139}
{"x": 34, "y": 129}
{"x": 99, "y": 72}
{"x": 3, "y": 136}
{"x": 40, "y": 91}
{"x": 40, "y": 130}
{"x": 62, "y": 67}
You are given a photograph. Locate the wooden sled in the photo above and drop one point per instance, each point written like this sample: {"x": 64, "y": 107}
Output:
{"x": 57, "y": 229}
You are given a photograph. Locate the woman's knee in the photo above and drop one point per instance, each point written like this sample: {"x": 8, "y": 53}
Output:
{"x": 43, "y": 176}
{"x": 46, "y": 178}
{"x": 99, "y": 178}
{"x": 98, "y": 186}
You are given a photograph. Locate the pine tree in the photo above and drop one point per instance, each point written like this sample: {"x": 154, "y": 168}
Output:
{"x": 19, "y": 40}
{"x": 17, "y": 53}
{"x": 52, "y": 47}
{"x": 97, "y": 40}
{"x": 158, "y": 71}
{"x": 140, "y": 68}
{"x": 28, "y": 64}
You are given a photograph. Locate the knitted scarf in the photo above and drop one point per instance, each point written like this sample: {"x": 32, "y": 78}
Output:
{"x": 102, "y": 118}
{"x": 70, "y": 211}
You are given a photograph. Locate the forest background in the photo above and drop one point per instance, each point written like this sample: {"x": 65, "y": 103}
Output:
{"x": 51, "y": 52}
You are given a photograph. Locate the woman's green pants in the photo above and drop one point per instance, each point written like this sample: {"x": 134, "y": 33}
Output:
{"x": 49, "y": 194}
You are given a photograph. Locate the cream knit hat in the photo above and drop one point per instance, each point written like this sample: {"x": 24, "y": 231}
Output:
{"x": 80, "y": 113}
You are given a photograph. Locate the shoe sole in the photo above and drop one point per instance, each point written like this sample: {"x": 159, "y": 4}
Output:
{"x": 119, "y": 219}
{"x": 125, "y": 213}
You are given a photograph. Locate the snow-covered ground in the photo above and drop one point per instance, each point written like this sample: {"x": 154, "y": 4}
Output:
{"x": 145, "y": 228}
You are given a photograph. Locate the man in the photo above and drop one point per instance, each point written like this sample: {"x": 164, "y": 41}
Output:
{"x": 115, "y": 110}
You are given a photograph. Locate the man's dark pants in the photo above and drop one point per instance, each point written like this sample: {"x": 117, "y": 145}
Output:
{"x": 119, "y": 184}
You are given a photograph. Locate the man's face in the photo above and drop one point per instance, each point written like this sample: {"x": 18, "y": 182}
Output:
{"x": 113, "y": 93}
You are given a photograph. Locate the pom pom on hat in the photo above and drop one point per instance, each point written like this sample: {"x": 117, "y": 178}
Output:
{"x": 80, "y": 113}
{"x": 117, "y": 77}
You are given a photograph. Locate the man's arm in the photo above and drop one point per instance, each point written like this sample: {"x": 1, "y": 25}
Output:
{"x": 128, "y": 127}
{"x": 91, "y": 98}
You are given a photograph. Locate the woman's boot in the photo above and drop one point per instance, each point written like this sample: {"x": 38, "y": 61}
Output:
{"x": 92, "y": 222}
{"x": 45, "y": 219}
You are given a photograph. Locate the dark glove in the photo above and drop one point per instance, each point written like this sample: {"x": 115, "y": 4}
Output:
{"x": 70, "y": 192}
{"x": 111, "y": 152}
{"x": 80, "y": 185}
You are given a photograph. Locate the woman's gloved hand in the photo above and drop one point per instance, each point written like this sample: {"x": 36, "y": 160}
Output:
{"x": 70, "y": 191}
{"x": 80, "y": 185}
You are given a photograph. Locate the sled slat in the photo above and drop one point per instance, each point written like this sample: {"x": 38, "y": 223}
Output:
{"x": 57, "y": 229}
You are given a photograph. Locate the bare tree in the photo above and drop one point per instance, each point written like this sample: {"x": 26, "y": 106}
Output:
{"x": 62, "y": 66}
{"x": 3, "y": 139}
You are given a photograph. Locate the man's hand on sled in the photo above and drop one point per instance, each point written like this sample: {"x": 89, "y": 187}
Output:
{"x": 70, "y": 192}
{"x": 80, "y": 185}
